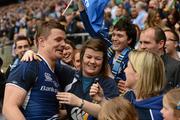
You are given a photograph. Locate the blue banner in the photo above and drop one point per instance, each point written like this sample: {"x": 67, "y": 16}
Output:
{"x": 95, "y": 12}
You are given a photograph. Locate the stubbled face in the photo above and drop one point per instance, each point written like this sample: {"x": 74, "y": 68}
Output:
{"x": 92, "y": 62}
{"x": 119, "y": 40}
{"x": 77, "y": 63}
{"x": 147, "y": 41}
{"x": 21, "y": 47}
{"x": 167, "y": 111}
{"x": 54, "y": 44}
{"x": 67, "y": 53}
{"x": 171, "y": 43}
{"x": 130, "y": 76}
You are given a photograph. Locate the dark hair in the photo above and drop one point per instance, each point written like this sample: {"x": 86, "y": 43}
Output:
{"x": 21, "y": 37}
{"x": 176, "y": 36}
{"x": 97, "y": 45}
{"x": 124, "y": 24}
{"x": 45, "y": 27}
{"x": 174, "y": 33}
{"x": 70, "y": 43}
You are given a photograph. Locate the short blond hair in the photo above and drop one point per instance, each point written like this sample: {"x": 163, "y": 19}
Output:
{"x": 151, "y": 73}
{"x": 117, "y": 109}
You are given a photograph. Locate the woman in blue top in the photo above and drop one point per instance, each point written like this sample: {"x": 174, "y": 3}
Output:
{"x": 94, "y": 68}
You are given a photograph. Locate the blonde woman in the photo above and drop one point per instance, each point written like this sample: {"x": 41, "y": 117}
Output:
{"x": 117, "y": 109}
{"x": 171, "y": 105}
{"x": 145, "y": 77}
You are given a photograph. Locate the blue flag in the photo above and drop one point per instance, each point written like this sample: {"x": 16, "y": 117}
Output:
{"x": 95, "y": 12}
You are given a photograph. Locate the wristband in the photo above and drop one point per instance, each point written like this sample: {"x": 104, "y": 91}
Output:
{"x": 82, "y": 104}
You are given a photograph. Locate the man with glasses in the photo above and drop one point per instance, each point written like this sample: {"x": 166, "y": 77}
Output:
{"x": 172, "y": 44}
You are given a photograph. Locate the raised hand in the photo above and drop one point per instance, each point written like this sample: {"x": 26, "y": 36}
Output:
{"x": 96, "y": 92}
{"x": 121, "y": 86}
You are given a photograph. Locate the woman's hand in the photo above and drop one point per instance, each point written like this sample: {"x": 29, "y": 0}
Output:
{"x": 68, "y": 98}
{"x": 96, "y": 92}
{"x": 122, "y": 87}
{"x": 29, "y": 56}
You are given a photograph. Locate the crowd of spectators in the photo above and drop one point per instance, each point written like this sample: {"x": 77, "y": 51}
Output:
{"x": 24, "y": 16}
{"x": 138, "y": 21}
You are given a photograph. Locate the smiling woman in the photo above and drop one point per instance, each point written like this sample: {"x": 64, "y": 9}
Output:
{"x": 68, "y": 52}
{"x": 93, "y": 59}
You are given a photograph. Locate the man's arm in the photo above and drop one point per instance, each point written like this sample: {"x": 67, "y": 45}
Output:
{"x": 13, "y": 100}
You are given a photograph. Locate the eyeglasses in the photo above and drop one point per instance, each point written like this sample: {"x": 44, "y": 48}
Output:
{"x": 171, "y": 40}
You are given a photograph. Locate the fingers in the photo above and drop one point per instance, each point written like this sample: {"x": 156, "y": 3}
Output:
{"x": 63, "y": 97}
{"x": 28, "y": 56}
{"x": 122, "y": 90}
{"x": 121, "y": 86}
{"x": 100, "y": 88}
{"x": 23, "y": 59}
{"x": 37, "y": 57}
{"x": 94, "y": 89}
{"x": 68, "y": 98}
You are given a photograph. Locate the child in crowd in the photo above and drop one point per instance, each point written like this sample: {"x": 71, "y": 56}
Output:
{"x": 171, "y": 105}
{"x": 117, "y": 109}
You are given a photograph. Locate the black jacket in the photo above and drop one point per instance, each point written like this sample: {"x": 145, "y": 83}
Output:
{"x": 172, "y": 69}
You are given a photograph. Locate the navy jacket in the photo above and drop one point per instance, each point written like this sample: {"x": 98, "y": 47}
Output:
{"x": 148, "y": 109}
{"x": 73, "y": 81}
{"x": 172, "y": 69}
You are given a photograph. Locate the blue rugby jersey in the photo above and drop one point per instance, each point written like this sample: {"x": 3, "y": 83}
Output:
{"x": 41, "y": 85}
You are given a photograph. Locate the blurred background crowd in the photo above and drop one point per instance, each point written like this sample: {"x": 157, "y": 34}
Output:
{"x": 22, "y": 17}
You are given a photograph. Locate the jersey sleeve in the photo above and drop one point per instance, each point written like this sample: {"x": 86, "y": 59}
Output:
{"x": 24, "y": 75}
